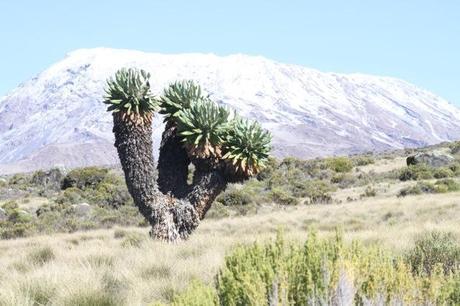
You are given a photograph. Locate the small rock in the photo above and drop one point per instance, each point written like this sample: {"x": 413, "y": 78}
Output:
{"x": 82, "y": 209}
{"x": 434, "y": 159}
{"x": 3, "y": 215}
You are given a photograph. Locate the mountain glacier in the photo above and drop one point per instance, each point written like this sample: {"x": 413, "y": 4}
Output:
{"x": 58, "y": 118}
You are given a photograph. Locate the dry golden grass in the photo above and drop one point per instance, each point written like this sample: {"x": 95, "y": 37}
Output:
{"x": 384, "y": 165}
{"x": 125, "y": 267}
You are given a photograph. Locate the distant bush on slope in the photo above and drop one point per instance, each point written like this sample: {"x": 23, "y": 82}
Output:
{"x": 440, "y": 186}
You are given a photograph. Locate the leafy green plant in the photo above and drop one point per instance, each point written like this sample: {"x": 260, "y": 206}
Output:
{"x": 196, "y": 294}
{"x": 202, "y": 126}
{"x": 281, "y": 197}
{"x": 129, "y": 91}
{"x": 416, "y": 172}
{"x": 363, "y": 160}
{"x": 440, "y": 186}
{"x": 83, "y": 178}
{"x": 340, "y": 164}
{"x": 246, "y": 147}
{"x": 234, "y": 197}
{"x": 432, "y": 249}
{"x": 179, "y": 96}
{"x": 324, "y": 272}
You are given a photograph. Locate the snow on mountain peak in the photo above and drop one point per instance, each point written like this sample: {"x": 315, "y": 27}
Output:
{"x": 58, "y": 118}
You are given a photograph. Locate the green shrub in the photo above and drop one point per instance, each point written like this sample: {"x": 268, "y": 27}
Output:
{"x": 20, "y": 180}
{"x": 433, "y": 249}
{"x": 281, "y": 197}
{"x": 455, "y": 168}
{"x": 440, "y": 173}
{"x": 112, "y": 192}
{"x": 218, "y": 211}
{"x": 440, "y": 186}
{"x": 71, "y": 195}
{"x": 343, "y": 180}
{"x": 416, "y": 172}
{"x": 450, "y": 291}
{"x": 363, "y": 160}
{"x": 196, "y": 294}
{"x": 339, "y": 164}
{"x": 455, "y": 147}
{"x": 271, "y": 166}
{"x": 234, "y": 196}
{"x": 318, "y": 192}
{"x": 10, "y": 230}
{"x": 323, "y": 272}
{"x": 50, "y": 179}
{"x": 10, "y": 206}
{"x": 83, "y": 178}
{"x": 447, "y": 185}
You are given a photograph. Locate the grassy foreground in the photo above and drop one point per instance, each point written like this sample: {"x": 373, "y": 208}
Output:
{"x": 124, "y": 267}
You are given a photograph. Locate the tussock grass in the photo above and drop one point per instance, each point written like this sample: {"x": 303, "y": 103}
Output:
{"x": 95, "y": 268}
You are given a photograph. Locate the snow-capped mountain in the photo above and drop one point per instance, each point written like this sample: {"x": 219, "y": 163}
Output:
{"x": 58, "y": 118}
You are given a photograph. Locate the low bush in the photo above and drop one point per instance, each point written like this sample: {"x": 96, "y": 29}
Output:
{"x": 280, "y": 196}
{"x": 339, "y": 164}
{"x": 318, "y": 192}
{"x": 344, "y": 180}
{"x": 322, "y": 272}
{"x": 363, "y": 160}
{"x": 234, "y": 197}
{"x": 196, "y": 294}
{"x": 416, "y": 172}
{"x": 455, "y": 147}
{"x": 434, "y": 249}
{"x": 50, "y": 179}
{"x": 440, "y": 173}
{"x": 440, "y": 186}
{"x": 83, "y": 178}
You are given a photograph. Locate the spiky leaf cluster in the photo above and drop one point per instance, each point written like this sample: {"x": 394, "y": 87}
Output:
{"x": 129, "y": 91}
{"x": 246, "y": 147}
{"x": 202, "y": 126}
{"x": 179, "y": 96}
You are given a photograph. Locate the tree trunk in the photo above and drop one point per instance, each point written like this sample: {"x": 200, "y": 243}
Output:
{"x": 172, "y": 208}
{"x": 207, "y": 185}
{"x": 173, "y": 163}
{"x": 171, "y": 219}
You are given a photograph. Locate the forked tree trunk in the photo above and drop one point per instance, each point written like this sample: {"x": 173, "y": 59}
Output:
{"x": 174, "y": 210}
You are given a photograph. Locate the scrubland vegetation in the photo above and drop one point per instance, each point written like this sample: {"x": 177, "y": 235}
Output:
{"x": 366, "y": 229}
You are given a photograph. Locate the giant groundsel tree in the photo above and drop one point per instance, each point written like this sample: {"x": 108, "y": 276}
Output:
{"x": 221, "y": 146}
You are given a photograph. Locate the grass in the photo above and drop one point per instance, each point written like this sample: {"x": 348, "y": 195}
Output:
{"x": 83, "y": 268}
{"x": 120, "y": 265}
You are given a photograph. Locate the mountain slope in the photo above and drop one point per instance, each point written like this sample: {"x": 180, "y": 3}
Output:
{"x": 58, "y": 118}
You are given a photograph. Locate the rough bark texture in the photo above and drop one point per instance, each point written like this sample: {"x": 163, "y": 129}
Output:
{"x": 173, "y": 208}
{"x": 171, "y": 219}
{"x": 173, "y": 163}
{"x": 206, "y": 187}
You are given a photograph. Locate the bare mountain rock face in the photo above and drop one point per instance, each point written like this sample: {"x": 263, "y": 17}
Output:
{"x": 57, "y": 118}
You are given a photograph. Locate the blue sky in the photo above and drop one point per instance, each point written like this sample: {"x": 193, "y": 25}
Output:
{"x": 415, "y": 40}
